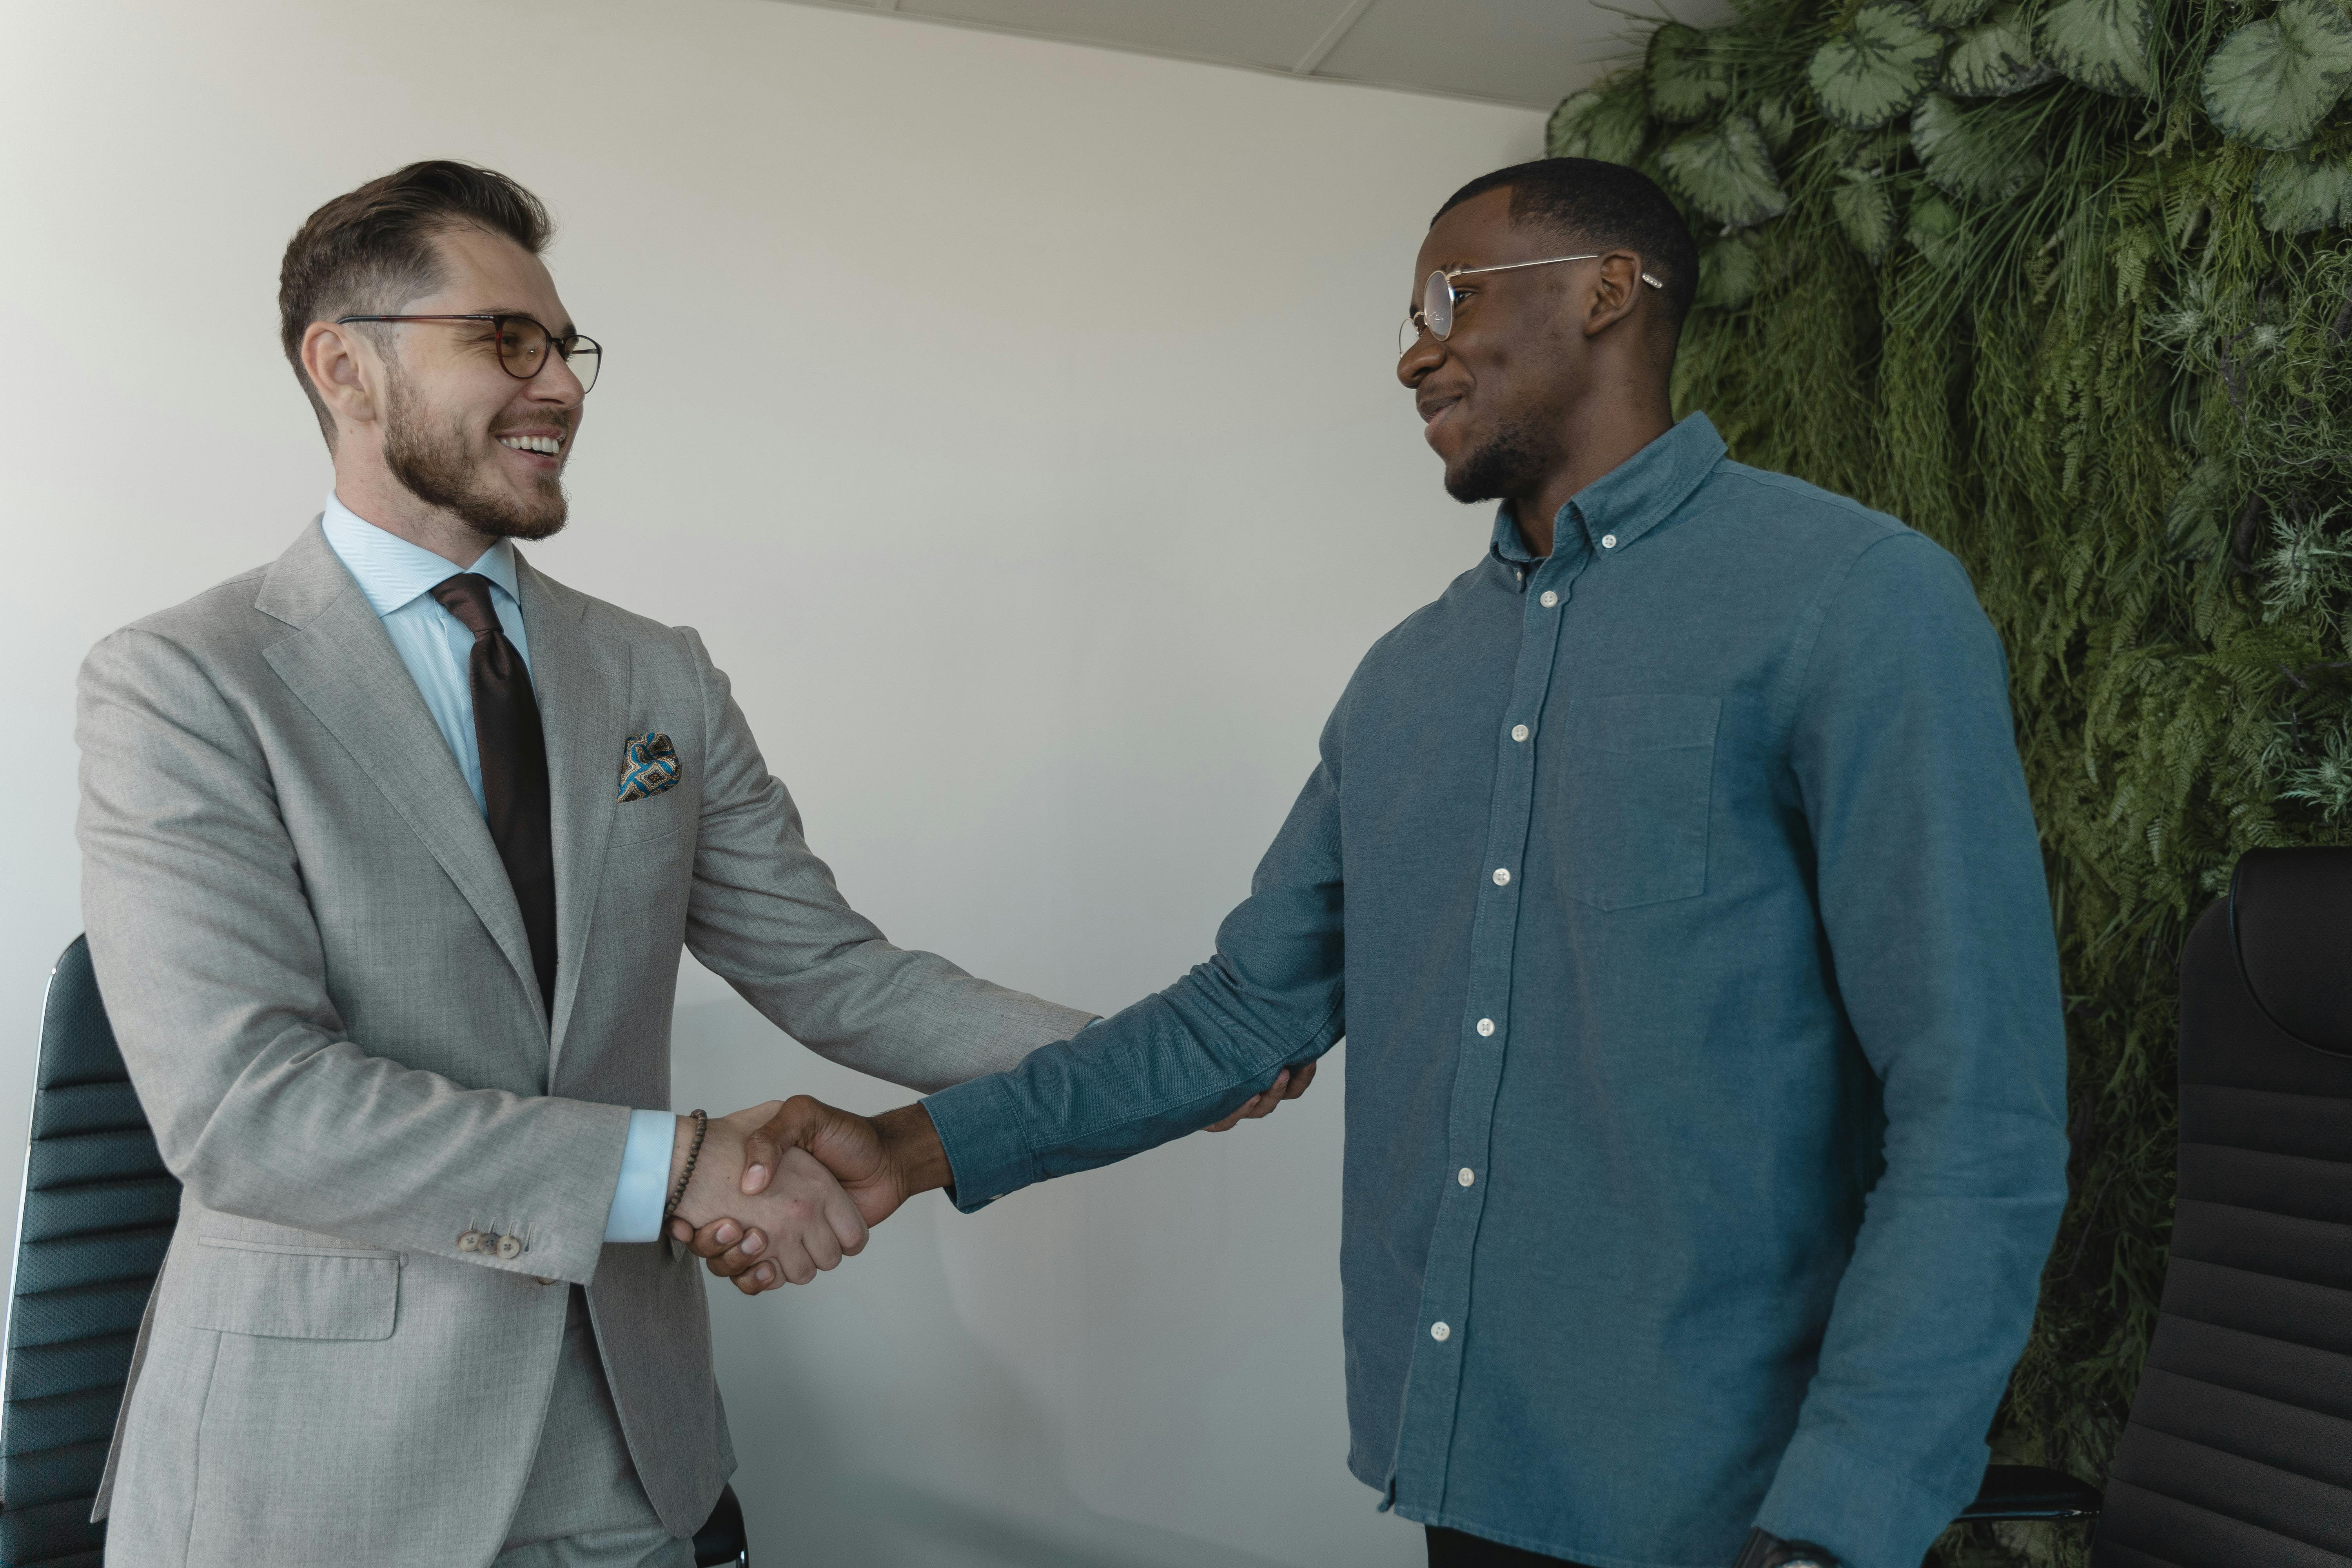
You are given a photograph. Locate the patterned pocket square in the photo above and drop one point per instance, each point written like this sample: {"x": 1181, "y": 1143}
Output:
{"x": 649, "y": 767}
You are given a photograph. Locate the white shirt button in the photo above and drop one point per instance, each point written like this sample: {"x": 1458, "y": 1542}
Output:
{"x": 1466, "y": 1175}
{"x": 1502, "y": 878}
{"x": 1608, "y": 542}
{"x": 1439, "y": 1333}
{"x": 1485, "y": 1026}
{"x": 1517, "y": 576}
{"x": 1519, "y": 731}
{"x": 1549, "y": 599}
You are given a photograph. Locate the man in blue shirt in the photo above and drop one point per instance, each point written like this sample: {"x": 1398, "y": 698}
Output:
{"x": 1674, "y": 879}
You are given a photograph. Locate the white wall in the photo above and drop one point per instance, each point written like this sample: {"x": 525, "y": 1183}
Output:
{"x": 1016, "y": 422}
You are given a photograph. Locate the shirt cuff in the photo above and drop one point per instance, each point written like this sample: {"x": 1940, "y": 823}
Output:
{"x": 643, "y": 1191}
{"x": 981, "y": 1133}
{"x": 1868, "y": 1515}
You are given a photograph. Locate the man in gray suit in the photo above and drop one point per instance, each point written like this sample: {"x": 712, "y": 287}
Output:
{"x": 390, "y": 848}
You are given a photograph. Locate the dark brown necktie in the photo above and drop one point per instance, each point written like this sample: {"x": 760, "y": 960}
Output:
{"x": 514, "y": 767}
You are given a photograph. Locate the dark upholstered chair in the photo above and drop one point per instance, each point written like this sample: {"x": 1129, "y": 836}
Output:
{"x": 98, "y": 1207}
{"x": 2031, "y": 1493}
{"x": 2238, "y": 1452}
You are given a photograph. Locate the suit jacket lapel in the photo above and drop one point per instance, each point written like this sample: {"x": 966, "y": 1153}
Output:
{"x": 345, "y": 670}
{"x": 582, "y": 682}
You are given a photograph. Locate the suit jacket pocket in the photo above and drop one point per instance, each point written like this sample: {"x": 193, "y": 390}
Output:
{"x": 656, "y": 817}
{"x": 285, "y": 1292}
{"x": 1636, "y": 780}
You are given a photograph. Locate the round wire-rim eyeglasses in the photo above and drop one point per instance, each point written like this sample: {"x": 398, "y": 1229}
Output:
{"x": 522, "y": 344}
{"x": 1437, "y": 299}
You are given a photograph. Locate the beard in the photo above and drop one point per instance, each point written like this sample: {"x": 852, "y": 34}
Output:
{"x": 441, "y": 467}
{"x": 1511, "y": 462}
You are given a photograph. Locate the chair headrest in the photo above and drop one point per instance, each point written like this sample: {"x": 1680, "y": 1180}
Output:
{"x": 2290, "y": 922}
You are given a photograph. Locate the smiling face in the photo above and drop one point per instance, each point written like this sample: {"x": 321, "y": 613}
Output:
{"x": 1494, "y": 396}
{"x": 1554, "y": 373}
{"x": 456, "y": 431}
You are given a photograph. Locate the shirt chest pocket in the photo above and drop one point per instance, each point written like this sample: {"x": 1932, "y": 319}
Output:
{"x": 1634, "y": 781}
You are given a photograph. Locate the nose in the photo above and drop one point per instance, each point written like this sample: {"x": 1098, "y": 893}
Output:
{"x": 558, "y": 382}
{"x": 1421, "y": 356}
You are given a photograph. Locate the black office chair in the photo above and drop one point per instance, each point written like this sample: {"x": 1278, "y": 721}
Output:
{"x": 98, "y": 1207}
{"x": 2030, "y": 1492}
{"x": 2238, "y": 1450}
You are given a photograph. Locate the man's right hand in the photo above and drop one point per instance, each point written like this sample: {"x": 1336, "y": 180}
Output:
{"x": 880, "y": 1162}
{"x": 799, "y": 1224}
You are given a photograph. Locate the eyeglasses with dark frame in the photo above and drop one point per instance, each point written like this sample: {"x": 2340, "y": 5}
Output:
{"x": 1437, "y": 299}
{"x": 522, "y": 344}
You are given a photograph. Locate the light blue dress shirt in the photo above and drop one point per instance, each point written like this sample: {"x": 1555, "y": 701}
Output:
{"x": 397, "y": 578}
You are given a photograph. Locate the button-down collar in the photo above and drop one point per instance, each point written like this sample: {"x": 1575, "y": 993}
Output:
{"x": 1625, "y": 504}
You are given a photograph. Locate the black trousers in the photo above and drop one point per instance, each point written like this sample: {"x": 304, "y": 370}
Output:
{"x": 1451, "y": 1548}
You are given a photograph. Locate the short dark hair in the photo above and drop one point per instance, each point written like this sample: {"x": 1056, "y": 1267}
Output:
{"x": 371, "y": 249}
{"x": 1599, "y": 207}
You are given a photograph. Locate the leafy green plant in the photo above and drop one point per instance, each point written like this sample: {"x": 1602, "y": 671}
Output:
{"x": 1996, "y": 58}
{"x": 2100, "y": 44}
{"x": 1725, "y": 171}
{"x": 2065, "y": 284}
{"x": 1686, "y": 79}
{"x": 1881, "y": 64}
{"x": 2272, "y": 82}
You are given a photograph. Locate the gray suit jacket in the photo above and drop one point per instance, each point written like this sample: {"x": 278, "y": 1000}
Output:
{"x": 321, "y": 985}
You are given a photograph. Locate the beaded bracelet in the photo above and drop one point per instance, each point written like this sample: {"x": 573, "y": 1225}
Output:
{"x": 693, "y": 1152}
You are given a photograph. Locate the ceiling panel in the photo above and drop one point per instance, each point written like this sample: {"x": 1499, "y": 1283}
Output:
{"x": 1531, "y": 52}
{"x": 1272, "y": 34}
{"x": 1535, "y": 52}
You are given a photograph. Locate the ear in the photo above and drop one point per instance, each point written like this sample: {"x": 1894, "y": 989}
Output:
{"x": 347, "y": 372}
{"x": 1617, "y": 291}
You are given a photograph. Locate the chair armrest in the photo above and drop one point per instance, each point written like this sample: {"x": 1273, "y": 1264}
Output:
{"x": 720, "y": 1539}
{"x": 2033, "y": 1491}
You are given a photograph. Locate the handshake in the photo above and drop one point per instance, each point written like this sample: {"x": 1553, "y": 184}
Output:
{"x": 784, "y": 1190}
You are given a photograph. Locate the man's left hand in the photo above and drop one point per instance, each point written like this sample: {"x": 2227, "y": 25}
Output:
{"x": 1288, "y": 1084}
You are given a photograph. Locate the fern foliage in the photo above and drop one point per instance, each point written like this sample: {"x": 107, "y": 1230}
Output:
{"x": 2064, "y": 284}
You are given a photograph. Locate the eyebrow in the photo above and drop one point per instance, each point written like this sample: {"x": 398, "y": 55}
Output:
{"x": 566, "y": 330}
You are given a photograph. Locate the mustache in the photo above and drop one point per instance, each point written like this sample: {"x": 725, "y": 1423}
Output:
{"x": 560, "y": 420}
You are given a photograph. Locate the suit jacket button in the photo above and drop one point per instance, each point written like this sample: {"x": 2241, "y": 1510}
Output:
{"x": 470, "y": 1242}
{"x": 542, "y": 1279}
{"x": 509, "y": 1247}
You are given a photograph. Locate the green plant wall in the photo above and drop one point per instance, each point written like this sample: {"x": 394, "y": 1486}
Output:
{"x": 2064, "y": 284}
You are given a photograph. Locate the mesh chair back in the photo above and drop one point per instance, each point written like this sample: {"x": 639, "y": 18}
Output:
{"x": 2239, "y": 1448}
{"x": 98, "y": 1207}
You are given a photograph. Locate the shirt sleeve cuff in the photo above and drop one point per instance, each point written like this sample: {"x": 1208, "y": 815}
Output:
{"x": 1868, "y": 1515}
{"x": 643, "y": 1191}
{"x": 981, "y": 1133}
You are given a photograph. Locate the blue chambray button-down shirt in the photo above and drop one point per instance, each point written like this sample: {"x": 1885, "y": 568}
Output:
{"x": 1680, "y": 900}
